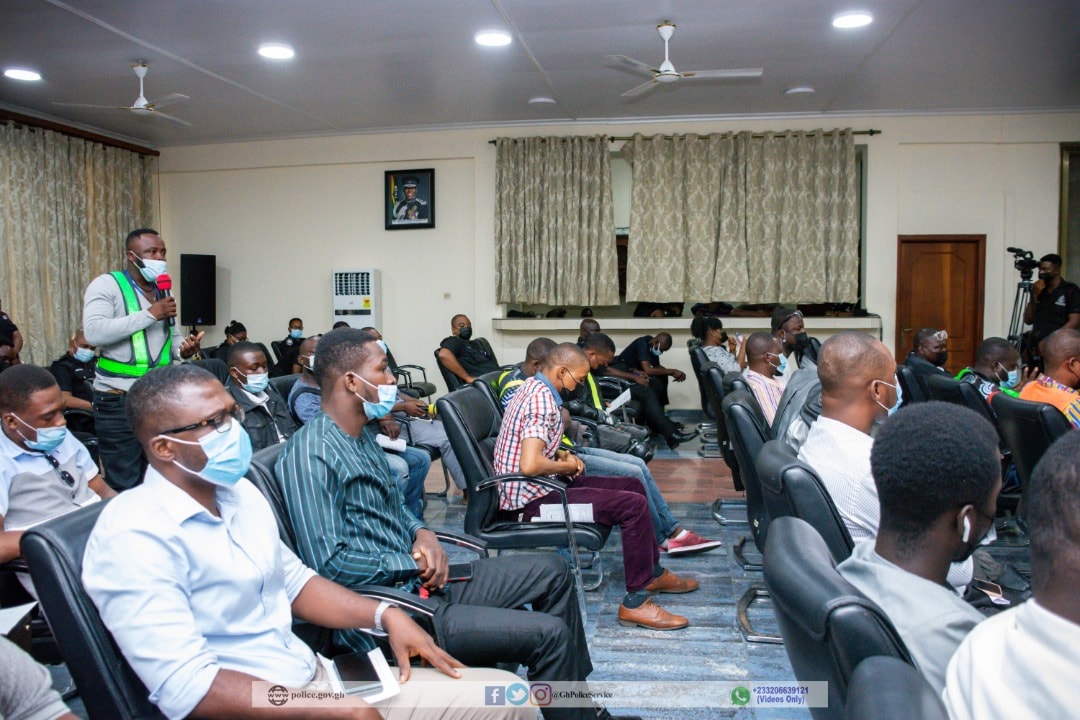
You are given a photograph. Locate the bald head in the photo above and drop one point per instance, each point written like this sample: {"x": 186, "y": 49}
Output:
{"x": 538, "y": 350}
{"x": 1060, "y": 346}
{"x": 849, "y": 361}
{"x": 588, "y": 327}
{"x": 567, "y": 355}
{"x": 760, "y": 343}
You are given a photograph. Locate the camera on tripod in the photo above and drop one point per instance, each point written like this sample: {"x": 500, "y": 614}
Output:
{"x": 1024, "y": 261}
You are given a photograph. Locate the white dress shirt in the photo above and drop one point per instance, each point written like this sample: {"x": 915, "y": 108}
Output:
{"x": 186, "y": 594}
{"x": 1023, "y": 664}
{"x": 31, "y": 489}
{"x": 840, "y": 455}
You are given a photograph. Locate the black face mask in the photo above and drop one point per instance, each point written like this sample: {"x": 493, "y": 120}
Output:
{"x": 1045, "y": 277}
{"x": 802, "y": 341}
{"x": 465, "y": 333}
{"x": 575, "y": 395}
{"x": 941, "y": 358}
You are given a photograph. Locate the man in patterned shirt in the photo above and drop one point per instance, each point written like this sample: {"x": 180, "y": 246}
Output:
{"x": 352, "y": 527}
{"x": 1059, "y": 384}
{"x": 766, "y": 361}
{"x": 528, "y": 443}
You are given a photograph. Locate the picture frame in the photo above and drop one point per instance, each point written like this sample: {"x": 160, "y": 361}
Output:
{"x": 409, "y": 199}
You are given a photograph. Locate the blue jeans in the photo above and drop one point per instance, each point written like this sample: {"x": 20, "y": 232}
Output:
{"x": 605, "y": 462}
{"x": 411, "y": 469}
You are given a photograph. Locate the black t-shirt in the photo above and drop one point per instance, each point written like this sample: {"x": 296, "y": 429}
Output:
{"x": 7, "y": 327}
{"x": 74, "y": 377}
{"x": 290, "y": 351}
{"x": 1053, "y": 308}
{"x": 470, "y": 355}
{"x": 634, "y": 354}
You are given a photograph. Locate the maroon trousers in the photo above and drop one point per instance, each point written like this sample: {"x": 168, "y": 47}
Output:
{"x": 615, "y": 501}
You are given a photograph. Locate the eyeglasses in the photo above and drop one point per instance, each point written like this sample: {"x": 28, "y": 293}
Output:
{"x": 221, "y": 422}
{"x": 793, "y": 313}
{"x": 940, "y": 335}
{"x": 576, "y": 381}
{"x": 64, "y": 474}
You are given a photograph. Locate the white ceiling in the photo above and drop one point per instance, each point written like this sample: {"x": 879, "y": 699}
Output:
{"x": 377, "y": 64}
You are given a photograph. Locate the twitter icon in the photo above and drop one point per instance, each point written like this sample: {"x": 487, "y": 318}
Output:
{"x": 517, "y": 694}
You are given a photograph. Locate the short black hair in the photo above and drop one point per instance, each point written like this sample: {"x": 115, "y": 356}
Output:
{"x": 923, "y": 335}
{"x": 1052, "y": 258}
{"x": 539, "y": 349}
{"x": 134, "y": 235}
{"x": 780, "y": 315}
{"x": 1054, "y": 513}
{"x": 565, "y": 354}
{"x": 340, "y": 351}
{"x": 155, "y": 393}
{"x": 235, "y": 327}
{"x": 759, "y": 343}
{"x": 19, "y": 382}
{"x": 1059, "y": 346}
{"x": 928, "y": 459}
{"x": 599, "y": 342}
{"x": 6, "y": 341}
{"x": 992, "y": 350}
{"x": 299, "y": 320}
{"x": 340, "y": 324}
{"x": 368, "y": 328}
{"x": 239, "y": 348}
{"x": 702, "y": 324}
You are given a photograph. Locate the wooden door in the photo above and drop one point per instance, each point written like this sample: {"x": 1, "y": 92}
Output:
{"x": 940, "y": 284}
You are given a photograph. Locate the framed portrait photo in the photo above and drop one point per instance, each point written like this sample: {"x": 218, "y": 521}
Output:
{"x": 410, "y": 199}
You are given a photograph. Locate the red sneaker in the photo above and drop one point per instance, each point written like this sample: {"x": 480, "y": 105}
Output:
{"x": 688, "y": 542}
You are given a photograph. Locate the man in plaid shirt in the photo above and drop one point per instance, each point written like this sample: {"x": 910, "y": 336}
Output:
{"x": 529, "y": 444}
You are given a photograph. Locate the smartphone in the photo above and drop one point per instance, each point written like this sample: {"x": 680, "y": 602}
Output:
{"x": 357, "y": 673}
{"x": 459, "y": 572}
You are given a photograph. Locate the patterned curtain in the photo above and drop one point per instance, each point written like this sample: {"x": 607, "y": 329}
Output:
{"x": 554, "y": 222}
{"x": 772, "y": 218}
{"x": 66, "y": 205}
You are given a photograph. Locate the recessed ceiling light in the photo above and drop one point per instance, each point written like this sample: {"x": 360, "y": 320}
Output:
{"x": 800, "y": 90}
{"x": 276, "y": 51}
{"x": 853, "y": 19}
{"x": 22, "y": 74}
{"x": 542, "y": 100}
{"x": 493, "y": 38}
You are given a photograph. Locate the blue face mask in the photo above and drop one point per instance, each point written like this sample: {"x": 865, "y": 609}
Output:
{"x": 382, "y": 345}
{"x": 48, "y": 438}
{"x": 1012, "y": 378}
{"x": 150, "y": 269}
{"x": 656, "y": 351}
{"x": 387, "y": 400}
{"x": 84, "y": 355}
{"x": 256, "y": 382}
{"x": 781, "y": 367}
{"x": 228, "y": 455}
{"x": 296, "y": 333}
{"x": 899, "y": 397}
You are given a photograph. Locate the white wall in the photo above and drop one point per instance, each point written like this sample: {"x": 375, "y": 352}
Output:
{"x": 281, "y": 215}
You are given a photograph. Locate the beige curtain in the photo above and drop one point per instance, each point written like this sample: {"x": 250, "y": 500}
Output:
{"x": 554, "y": 222}
{"x": 772, "y": 218}
{"x": 66, "y": 205}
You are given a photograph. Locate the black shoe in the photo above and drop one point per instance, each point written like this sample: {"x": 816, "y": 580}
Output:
{"x": 680, "y": 437}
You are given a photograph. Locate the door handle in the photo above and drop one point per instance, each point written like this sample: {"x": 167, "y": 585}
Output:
{"x": 907, "y": 330}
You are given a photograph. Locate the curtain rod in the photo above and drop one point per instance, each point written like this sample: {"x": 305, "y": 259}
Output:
{"x": 33, "y": 122}
{"x": 618, "y": 138}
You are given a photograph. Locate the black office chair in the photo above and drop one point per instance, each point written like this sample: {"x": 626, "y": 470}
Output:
{"x": 886, "y": 688}
{"x": 486, "y": 384}
{"x": 275, "y": 345}
{"x": 828, "y": 626}
{"x": 107, "y": 684}
{"x": 453, "y": 382}
{"x": 749, "y": 432}
{"x": 910, "y": 384}
{"x": 217, "y": 368}
{"x": 710, "y": 444}
{"x": 736, "y": 381}
{"x": 945, "y": 389}
{"x": 792, "y": 489}
{"x": 1028, "y": 428}
{"x": 417, "y": 387}
{"x": 472, "y": 425}
{"x": 284, "y": 384}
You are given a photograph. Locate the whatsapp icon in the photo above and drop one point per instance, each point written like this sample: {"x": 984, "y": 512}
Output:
{"x": 740, "y": 695}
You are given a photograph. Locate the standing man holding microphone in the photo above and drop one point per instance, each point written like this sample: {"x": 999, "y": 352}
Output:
{"x": 130, "y": 316}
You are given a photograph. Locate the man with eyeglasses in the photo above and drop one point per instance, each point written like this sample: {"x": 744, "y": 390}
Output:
{"x": 529, "y": 443}
{"x": 44, "y": 471}
{"x": 929, "y": 355}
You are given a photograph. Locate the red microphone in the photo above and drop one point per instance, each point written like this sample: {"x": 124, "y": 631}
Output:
{"x": 164, "y": 290}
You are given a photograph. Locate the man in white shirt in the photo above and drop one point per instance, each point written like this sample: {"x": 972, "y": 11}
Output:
{"x": 765, "y": 364}
{"x": 938, "y": 476}
{"x": 190, "y": 577}
{"x": 1023, "y": 664}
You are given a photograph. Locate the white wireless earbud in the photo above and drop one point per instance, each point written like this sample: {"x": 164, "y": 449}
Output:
{"x": 967, "y": 530}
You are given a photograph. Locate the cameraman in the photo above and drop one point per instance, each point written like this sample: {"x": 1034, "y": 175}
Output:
{"x": 1056, "y": 301}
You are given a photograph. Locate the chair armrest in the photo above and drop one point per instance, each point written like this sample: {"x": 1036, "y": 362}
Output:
{"x": 400, "y": 598}
{"x": 16, "y": 565}
{"x": 415, "y": 367}
{"x": 495, "y": 480}
{"x": 78, "y": 412}
{"x": 399, "y": 373}
{"x": 480, "y": 547}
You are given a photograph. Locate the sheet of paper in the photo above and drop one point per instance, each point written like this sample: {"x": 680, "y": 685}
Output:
{"x": 11, "y": 615}
{"x": 619, "y": 401}
{"x": 387, "y": 676}
{"x": 579, "y": 512}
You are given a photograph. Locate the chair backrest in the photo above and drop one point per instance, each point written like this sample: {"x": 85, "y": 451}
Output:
{"x": 1028, "y": 428}
{"x": 218, "y": 368}
{"x": 698, "y": 360}
{"x": 284, "y": 384}
{"x": 486, "y": 384}
{"x": 713, "y": 378}
{"x": 275, "y": 345}
{"x": 748, "y": 432}
{"x": 945, "y": 389}
{"x": 792, "y": 489}
{"x": 828, "y": 626}
{"x": 486, "y": 347}
{"x": 263, "y": 476}
{"x": 736, "y": 381}
{"x": 107, "y": 684}
{"x": 885, "y": 688}
{"x": 453, "y": 382}
{"x": 472, "y": 426}
{"x": 803, "y": 392}
{"x": 910, "y": 384}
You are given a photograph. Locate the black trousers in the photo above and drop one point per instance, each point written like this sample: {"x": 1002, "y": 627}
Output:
{"x": 476, "y": 622}
{"x": 121, "y": 454}
{"x": 653, "y": 410}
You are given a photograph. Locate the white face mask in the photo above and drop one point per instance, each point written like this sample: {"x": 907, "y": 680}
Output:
{"x": 150, "y": 269}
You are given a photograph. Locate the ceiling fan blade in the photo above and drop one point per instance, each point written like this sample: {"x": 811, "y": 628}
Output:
{"x": 629, "y": 63}
{"x": 730, "y": 73}
{"x": 173, "y": 99}
{"x": 640, "y": 89}
{"x": 170, "y": 118}
{"x": 87, "y": 105}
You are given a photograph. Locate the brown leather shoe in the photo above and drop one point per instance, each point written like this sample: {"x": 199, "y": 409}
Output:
{"x": 652, "y": 616}
{"x": 670, "y": 583}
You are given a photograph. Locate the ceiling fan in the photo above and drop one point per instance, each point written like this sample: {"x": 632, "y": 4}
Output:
{"x": 142, "y": 106}
{"x": 666, "y": 73}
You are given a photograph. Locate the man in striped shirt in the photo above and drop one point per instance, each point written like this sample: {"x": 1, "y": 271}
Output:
{"x": 766, "y": 361}
{"x": 352, "y": 527}
{"x": 528, "y": 443}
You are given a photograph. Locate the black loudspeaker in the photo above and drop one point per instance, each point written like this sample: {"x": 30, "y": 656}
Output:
{"x": 198, "y": 290}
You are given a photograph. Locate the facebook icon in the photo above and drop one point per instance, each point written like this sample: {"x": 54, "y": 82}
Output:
{"x": 494, "y": 695}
